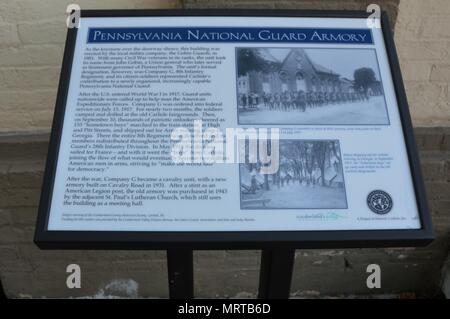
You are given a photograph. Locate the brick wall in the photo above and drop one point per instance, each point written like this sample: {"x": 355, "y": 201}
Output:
{"x": 31, "y": 44}
{"x": 27, "y": 271}
{"x": 423, "y": 42}
{"x": 32, "y": 35}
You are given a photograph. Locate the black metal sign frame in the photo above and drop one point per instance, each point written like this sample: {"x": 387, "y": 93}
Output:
{"x": 230, "y": 239}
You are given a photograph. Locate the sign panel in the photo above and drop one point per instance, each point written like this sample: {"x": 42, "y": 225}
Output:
{"x": 231, "y": 130}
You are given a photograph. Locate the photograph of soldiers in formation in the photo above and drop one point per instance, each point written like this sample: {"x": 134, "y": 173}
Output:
{"x": 310, "y": 176}
{"x": 309, "y": 86}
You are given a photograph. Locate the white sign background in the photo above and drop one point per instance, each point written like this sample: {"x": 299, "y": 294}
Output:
{"x": 226, "y": 215}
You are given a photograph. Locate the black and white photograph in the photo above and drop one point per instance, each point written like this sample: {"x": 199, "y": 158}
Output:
{"x": 309, "y": 86}
{"x": 310, "y": 176}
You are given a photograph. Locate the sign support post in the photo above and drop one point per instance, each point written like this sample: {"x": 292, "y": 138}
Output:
{"x": 181, "y": 273}
{"x": 274, "y": 280}
{"x": 276, "y": 273}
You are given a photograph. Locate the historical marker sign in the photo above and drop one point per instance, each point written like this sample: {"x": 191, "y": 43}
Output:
{"x": 153, "y": 106}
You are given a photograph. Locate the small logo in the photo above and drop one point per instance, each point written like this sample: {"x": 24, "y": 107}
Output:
{"x": 380, "y": 202}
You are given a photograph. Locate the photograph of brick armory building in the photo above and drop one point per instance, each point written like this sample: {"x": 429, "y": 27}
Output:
{"x": 288, "y": 86}
{"x": 297, "y": 72}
